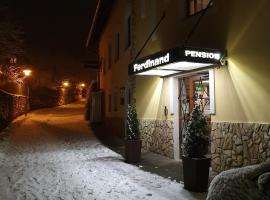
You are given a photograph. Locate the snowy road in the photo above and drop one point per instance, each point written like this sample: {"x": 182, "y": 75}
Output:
{"x": 53, "y": 155}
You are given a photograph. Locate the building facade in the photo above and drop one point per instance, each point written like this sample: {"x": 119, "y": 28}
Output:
{"x": 168, "y": 56}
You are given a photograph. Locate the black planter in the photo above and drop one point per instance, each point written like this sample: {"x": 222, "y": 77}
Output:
{"x": 196, "y": 173}
{"x": 133, "y": 150}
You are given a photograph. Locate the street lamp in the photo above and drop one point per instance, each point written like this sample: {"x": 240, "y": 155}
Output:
{"x": 66, "y": 83}
{"x": 27, "y": 72}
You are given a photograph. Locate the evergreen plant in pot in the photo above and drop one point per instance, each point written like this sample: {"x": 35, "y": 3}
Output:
{"x": 133, "y": 142}
{"x": 196, "y": 161}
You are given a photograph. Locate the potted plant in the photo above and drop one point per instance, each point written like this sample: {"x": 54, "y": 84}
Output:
{"x": 133, "y": 143}
{"x": 196, "y": 161}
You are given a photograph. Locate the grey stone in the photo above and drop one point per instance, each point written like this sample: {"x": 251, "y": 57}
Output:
{"x": 245, "y": 151}
{"x": 239, "y": 149}
{"x": 228, "y": 142}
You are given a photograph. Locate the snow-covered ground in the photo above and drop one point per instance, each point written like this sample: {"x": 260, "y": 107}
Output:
{"x": 53, "y": 155}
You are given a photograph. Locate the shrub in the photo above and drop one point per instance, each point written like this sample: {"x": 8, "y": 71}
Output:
{"x": 196, "y": 139}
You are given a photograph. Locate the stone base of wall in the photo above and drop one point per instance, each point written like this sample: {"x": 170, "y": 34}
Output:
{"x": 157, "y": 136}
{"x": 239, "y": 144}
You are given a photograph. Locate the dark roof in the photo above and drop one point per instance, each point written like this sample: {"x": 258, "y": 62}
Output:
{"x": 101, "y": 16}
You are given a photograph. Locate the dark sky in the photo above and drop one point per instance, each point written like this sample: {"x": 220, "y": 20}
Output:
{"x": 56, "y": 31}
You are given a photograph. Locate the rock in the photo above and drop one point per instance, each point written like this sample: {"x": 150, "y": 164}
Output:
{"x": 213, "y": 148}
{"x": 239, "y": 160}
{"x": 239, "y": 149}
{"x": 245, "y": 151}
{"x": 261, "y": 149}
{"x": 245, "y": 138}
{"x": 228, "y": 142}
{"x": 218, "y": 143}
{"x": 237, "y": 140}
{"x": 228, "y": 153}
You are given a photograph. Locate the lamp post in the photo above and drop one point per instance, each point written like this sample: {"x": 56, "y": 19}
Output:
{"x": 27, "y": 73}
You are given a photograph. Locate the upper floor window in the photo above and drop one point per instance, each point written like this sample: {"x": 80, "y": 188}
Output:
{"x": 115, "y": 102}
{"x": 103, "y": 65}
{"x": 128, "y": 32}
{"x": 195, "y": 6}
{"x": 117, "y": 43}
{"x": 142, "y": 8}
{"x": 153, "y": 18}
{"x": 109, "y": 103}
{"x": 109, "y": 56}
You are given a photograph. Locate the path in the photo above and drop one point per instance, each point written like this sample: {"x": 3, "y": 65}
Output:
{"x": 52, "y": 154}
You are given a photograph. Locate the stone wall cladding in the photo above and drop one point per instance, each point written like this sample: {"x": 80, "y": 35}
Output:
{"x": 239, "y": 144}
{"x": 11, "y": 106}
{"x": 157, "y": 136}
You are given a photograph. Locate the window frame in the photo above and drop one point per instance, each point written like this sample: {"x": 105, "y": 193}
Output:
{"x": 196, "y": 10}
{"x": 110, "y": 102}
{"x": 109, "y": 56}
{"x": 128, "y": 33}
{"x": 117, "y": 47}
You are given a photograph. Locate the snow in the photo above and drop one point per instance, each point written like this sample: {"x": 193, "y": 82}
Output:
{"x": 53, "y": 155}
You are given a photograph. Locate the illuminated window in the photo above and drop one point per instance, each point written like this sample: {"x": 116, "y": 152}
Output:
{"x": 195, "y": 6}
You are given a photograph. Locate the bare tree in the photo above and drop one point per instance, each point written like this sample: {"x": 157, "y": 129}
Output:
{"x": 11, "y": 44}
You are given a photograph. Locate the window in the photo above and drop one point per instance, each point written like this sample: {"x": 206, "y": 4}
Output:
{"x": 109, "y": 103}
{"x": 195, "y": 6}
{"x": 142, "y": 8}
{"x": 128, "y": 32}
{"x": 115, "y": 102}
{"x": 117, "y": 41}
{"x": 109, "y": 56}
{"x": 103, "y": 65}
{"x": 153, "y": 18}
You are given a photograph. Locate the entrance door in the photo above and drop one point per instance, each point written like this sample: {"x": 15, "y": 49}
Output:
{"x": 193, "y": 90}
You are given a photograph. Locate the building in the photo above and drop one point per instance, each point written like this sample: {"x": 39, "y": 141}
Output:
{"x": 167, "y": 56}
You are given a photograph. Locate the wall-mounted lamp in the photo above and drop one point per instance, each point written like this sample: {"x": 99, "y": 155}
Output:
{"x": 65, "y": 84}
{"x": 27, "y": 72}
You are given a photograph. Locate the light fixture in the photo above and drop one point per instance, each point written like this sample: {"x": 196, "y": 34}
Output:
{"x": 27, "y": 72}
{"x": 82, "y": 85}
{"x": 66, "y": 84}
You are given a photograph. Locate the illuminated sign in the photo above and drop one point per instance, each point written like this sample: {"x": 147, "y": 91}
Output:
{"x": 177, "y": 60}
{"x": 152, "y": 63}
{"x": 202, "y": 54}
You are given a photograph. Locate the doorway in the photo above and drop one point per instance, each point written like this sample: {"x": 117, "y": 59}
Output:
{"x": 194, "y": 90}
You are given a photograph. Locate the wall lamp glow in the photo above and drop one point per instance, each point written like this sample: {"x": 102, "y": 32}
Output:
{"x": 27, "y": 72}
{"x": 65, "y": 84}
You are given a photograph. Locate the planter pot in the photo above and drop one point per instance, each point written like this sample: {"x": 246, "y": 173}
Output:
{"x": 133, "y": 150}
{"x": 196, "y": 173}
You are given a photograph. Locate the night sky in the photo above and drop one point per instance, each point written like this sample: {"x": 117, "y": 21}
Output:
{"x": 56, "y": 31}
